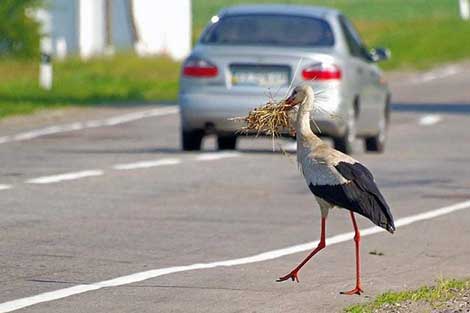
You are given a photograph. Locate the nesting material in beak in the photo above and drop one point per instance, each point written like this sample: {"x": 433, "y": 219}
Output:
{"x": 271, "y": 119}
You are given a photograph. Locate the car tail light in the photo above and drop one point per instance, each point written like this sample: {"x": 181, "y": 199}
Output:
{"x": 322, "y": 71}
{"x": 195, "y": 67}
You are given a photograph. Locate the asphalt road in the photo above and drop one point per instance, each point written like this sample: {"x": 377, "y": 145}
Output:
{"x": 113, "y": 216}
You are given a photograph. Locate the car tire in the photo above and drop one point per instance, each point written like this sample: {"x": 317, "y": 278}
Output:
{"x": 227, "y": 142}
{"x": 377, "y": 143}
{"x": 345, "y": 143}
{"x": 192, "y": 140}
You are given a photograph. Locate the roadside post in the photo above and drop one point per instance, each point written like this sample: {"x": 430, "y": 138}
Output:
{"x": 45, "y": 66}
{"x": 464, "y": 6}
{"x": 45, "y": 49}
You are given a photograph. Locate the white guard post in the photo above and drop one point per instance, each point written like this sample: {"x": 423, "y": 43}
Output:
{"x": 45, "y": 67}
{"x": 464, "y": 9}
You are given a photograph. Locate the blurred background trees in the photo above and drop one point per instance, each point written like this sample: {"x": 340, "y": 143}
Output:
{"x": 19, "y": 30}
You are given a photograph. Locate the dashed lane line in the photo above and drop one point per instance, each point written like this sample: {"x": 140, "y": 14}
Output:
{"x": 64, "y": 177}
{"x": 429, "y": 120}
{"x": 435, "y": 74}
{"x": 262, "y": 257}
{"x": 290, "y": 146}
{"x": 125, "y": 166}
{"x": 432, "y": 75}
{"x": 5, "y": 187}
{"x": 112, "y": 121}
{"x": 146, "y": 164}
{"x": 211, "y": 156}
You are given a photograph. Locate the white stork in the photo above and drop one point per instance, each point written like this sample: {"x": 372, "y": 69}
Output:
{"x": 336, "y": 180}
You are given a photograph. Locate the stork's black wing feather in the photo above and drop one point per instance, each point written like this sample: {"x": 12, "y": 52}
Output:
{"x": 360, "y": 195}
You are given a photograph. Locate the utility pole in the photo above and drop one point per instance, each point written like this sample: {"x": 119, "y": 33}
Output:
{"x": 132, "y": 22}
{"x": 108, "y": 17}
{"x": 464, "y": 9}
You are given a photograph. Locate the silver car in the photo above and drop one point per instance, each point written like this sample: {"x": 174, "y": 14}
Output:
{"x": 247, "y": 52}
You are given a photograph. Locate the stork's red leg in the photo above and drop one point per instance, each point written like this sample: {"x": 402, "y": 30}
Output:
{"x": 357, "y": 239}
{"x": 293, "y": 274}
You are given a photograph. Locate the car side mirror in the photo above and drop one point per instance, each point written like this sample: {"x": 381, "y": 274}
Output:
{"x": 380, "y": 54}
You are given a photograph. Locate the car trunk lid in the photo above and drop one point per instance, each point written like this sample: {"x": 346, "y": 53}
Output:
{"x": 257, "y": 70}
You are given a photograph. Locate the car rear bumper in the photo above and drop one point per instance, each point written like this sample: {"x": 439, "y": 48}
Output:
{"x": 215, "y": 112}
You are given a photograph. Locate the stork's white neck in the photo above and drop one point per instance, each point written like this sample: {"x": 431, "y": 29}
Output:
{"x": 304, "y": 130}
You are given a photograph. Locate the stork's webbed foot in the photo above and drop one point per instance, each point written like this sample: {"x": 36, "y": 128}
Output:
{"x": 292, "y": 275}
{"x": 356, "y": 291}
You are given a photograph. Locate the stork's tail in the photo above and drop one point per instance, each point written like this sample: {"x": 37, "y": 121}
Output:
{"x": 380, "y": 215}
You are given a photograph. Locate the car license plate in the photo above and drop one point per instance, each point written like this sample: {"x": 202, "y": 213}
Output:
{"x": 263, "y": 76}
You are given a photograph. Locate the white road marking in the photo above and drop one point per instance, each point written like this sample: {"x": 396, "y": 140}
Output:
{"x": 55, "y": 129}
{"x": 63, "y": 177}
{"x": 290, "y": 146}
{"x": 146, "y": 164}
{"x": 265, "y": 256}
{"x": 94, "y": 124}
{"x": 125, "y": 166}
{"x": 5, "y": 187}
{"x": 435, "y": 74}
{"x": 140, "y": 115}
{"x": 211, "y": 156}
{"x": 430, "y": 119}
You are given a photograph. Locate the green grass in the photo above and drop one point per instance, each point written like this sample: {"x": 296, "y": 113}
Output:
{"x": 108, "y": 81}
{"x": 420, "y": 33}
{"x": 443, "y": 291}
{"x": 378, "y": 10}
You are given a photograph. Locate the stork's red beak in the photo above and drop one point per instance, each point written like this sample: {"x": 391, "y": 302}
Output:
{"x": 290, "y": 102}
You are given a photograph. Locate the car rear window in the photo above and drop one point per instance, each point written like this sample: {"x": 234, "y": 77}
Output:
{"x": 273, "y": 30}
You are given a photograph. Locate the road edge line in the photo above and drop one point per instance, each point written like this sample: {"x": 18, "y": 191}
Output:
{"x": 17, "y": 304}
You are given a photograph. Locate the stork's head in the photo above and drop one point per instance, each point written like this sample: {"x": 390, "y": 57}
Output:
{"x": 302, "y": 95}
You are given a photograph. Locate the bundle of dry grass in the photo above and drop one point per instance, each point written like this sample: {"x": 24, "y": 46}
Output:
{"x": 270, "y": 119}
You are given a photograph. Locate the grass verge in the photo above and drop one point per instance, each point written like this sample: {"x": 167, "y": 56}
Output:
{"x": 420, "y": 33}
{"x": 435, "y": 296}
{"x": 118, "y": 80}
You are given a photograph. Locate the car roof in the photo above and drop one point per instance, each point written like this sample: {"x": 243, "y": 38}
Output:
{"x": 314, "y": 11}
